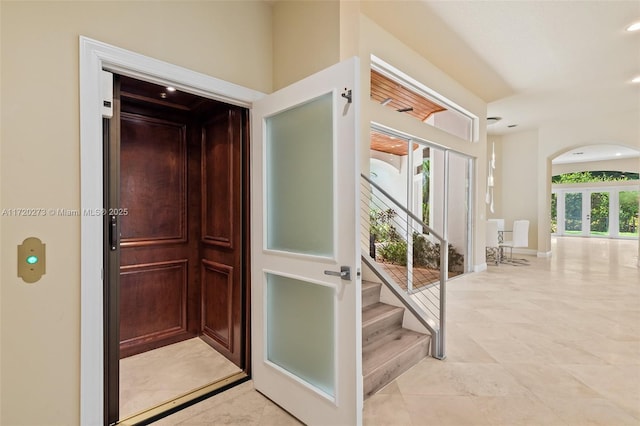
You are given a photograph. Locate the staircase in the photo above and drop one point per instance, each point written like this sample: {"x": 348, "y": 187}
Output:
{"x": 388, "y": 350}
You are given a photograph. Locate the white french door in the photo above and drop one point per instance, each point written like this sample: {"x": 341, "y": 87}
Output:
{"x": 305, "y": 295}
{"x": 584, "y": 213}
{"x": 596, "y": 212}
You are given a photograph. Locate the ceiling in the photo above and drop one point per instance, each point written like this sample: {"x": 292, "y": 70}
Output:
{"x": 553, "y": 61}
{"x": 394, "y": 95}
{"x": 588, "y": 153}
{"x": 561, "y": 59}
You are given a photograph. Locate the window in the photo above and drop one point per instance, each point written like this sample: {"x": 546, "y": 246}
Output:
{"x": 394, "y": 89}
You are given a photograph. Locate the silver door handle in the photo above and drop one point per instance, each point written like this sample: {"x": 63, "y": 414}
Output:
{"x": 345, "y": 273}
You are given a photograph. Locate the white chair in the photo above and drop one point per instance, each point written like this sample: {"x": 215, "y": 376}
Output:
{"x": 520, "y": 237}
{"x": 500, "y": 223}
{"x": 491, "y": 241}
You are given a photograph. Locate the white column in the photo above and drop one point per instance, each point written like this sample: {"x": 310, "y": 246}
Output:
{"x": 560, "y": 212}
{"x": 614, "y": 213}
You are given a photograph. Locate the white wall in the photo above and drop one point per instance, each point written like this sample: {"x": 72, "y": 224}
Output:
{"x": 306, "y": 38}
{"x": 622, "y": 165}
{"x": 388, "y": 177}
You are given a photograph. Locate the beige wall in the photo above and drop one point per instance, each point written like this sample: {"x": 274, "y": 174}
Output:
{"x": 525, "y": 177}
{"x": 238, "y": 41}
{"x": 40, "y": 163}
{"x": 401, "y": 53}
{"x": 555, "y": 139}
{"x": 306, "y": 39}
{"x": 517, "y": 181}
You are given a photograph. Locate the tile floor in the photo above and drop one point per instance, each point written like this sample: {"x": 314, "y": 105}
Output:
{"x": 553, "y": 343}
{"x": 153, "y": 377}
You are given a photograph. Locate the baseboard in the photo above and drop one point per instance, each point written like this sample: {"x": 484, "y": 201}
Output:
{"x": 479, "y": 268}
{"x": 524, "y": 251}
{"x": 544, "y": 253}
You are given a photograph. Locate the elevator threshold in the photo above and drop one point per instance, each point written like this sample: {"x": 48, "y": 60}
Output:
{"x": 183, "y": 401}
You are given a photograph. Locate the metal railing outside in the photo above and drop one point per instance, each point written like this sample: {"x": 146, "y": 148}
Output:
{"x": 409, "y": 257}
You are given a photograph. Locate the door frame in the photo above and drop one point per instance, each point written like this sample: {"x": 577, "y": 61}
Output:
{"x": 96, "y": 56}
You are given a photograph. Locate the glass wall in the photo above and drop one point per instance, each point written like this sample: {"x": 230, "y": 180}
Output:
{"x": 554, "y": 213}
{"x": 628, "y": 213}
{"x": 434, "y": 182}
{"x": 599, "y": 214}
{"x": 573, "y": 213}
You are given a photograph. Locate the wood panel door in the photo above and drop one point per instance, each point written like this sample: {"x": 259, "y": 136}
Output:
{"x": 183, "y": 219}
{"x": 158, "y": 230}
{"x": 222, "y": 231}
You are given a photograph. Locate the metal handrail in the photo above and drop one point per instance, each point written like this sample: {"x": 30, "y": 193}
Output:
{"x": 420, "y": 302}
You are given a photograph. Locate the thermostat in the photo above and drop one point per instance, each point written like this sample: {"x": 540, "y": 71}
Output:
{"x": 31, "y": 260}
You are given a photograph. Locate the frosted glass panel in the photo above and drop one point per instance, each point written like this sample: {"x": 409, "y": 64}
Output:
{"x": 300, "y": 330}
{"x": 300, "y": 178}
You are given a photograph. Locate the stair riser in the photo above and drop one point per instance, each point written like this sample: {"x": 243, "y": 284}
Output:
{"x": 370, "y": 296}
{"x": 381, "y": 325}
{"x": 386, "y": 373}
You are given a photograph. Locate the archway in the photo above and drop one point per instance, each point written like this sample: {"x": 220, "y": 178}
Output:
{"x": 594, "y": 191}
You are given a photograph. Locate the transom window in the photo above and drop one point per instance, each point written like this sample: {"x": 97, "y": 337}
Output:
{"x": 395, "y": 89}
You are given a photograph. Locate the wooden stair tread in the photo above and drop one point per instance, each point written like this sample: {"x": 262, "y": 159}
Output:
{"x": 389, "y": 346}
{"x": 374, "y": 312}
{"x": 370, "y": 293}
{"x": 369, "y": 284}
{"x": 388, "y": 349}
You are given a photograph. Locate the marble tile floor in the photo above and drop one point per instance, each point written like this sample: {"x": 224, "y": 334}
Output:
{"x": 555, "y": 343}
{"x": 153, "y": 377}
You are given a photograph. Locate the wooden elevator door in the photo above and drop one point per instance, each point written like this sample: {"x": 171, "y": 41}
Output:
{"x": 182, "y": 224}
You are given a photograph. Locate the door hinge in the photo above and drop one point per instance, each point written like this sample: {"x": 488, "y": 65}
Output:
{"x": 107, "y": 94}
{"x": 347, "y": 95}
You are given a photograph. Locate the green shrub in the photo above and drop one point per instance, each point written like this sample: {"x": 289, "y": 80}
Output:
{"x": 392, "y": 248}
{"x": 394, "y": 252}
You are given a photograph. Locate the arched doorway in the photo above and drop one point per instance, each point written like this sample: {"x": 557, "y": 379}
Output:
{"x": 595, "y": 192}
